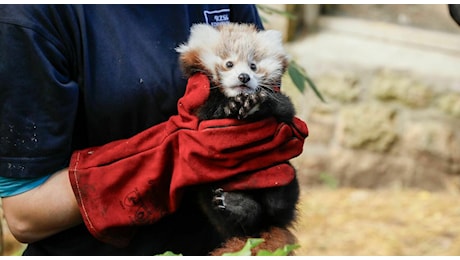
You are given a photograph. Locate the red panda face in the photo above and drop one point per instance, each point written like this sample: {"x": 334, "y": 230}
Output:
{"x": 238, "y": 75}
{"x": 236, "y": 57}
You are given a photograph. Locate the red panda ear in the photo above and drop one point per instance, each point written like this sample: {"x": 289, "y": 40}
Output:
{"x": 201, "y": 36}
{"x": 285, "y": 62}
{"x": 273, "y": 37}
{"x": 190, "y": 62}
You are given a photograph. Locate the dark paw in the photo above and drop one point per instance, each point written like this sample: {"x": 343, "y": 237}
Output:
{"x": 219, "y": 199}
{"x": 232, "y": 108}
{"x": 244, "y": 104}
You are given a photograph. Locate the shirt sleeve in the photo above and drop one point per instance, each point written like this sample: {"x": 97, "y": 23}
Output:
{"x": 38, "y": 98}
{"x": 13, "y": 186}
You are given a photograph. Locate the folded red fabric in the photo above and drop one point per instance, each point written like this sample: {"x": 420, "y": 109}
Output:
{"x": 128, "y": 183}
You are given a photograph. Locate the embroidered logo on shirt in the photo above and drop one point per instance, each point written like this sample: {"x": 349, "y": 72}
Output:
{"x": 217, "y": 17}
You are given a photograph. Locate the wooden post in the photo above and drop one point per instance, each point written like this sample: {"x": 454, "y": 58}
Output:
{"x": 306, "y": 20}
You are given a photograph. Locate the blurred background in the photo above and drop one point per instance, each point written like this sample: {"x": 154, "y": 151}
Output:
{"x": 380, "y": 171}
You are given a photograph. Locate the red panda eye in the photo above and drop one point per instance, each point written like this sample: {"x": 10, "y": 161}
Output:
{"x": 253, "y": 66}
{"x": 229, "y": 64}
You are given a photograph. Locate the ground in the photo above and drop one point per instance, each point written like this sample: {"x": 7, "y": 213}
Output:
{"x": 358, "y": 222}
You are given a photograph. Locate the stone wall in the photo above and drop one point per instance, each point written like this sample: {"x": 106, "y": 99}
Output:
{"x": 380, "y": 128}
{"x": 392, "y": 116}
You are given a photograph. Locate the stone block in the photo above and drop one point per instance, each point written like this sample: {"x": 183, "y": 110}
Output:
{"x": 370, "y": 170}
{"x": 405, "y": 89}
{"x": 368, "y": 126}
{"x": 449, "y": 103}
{"x": 429, "y": 136}
{"x": 340, "y": 86}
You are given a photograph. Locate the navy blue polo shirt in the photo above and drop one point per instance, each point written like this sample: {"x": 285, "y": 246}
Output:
{"x": 79, "y": 76}
{"x": 75, "y": 76}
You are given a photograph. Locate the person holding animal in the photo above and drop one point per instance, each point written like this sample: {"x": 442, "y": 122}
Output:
{"x": 99, "y": 145}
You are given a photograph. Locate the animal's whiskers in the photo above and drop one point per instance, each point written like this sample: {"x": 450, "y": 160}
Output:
{"x": 270, "y": 92}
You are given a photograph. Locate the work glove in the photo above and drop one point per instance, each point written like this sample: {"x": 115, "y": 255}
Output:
{"x": 128, "y": 183}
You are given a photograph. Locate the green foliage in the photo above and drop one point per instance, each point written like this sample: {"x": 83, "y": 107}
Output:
{"x": 299, "y": 77}
{"x": 253, "y": 242}
{"x": 246, "y": 250}
{"x": 284, "y": 251}
{"x": 328, "y": 180}
{"x": 169, "y": 253}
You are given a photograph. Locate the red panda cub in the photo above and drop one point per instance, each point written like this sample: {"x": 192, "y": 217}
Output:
{"x": 244, "y": 67}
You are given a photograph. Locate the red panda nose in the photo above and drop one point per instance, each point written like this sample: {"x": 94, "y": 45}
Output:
{"x": 244, "y": 77}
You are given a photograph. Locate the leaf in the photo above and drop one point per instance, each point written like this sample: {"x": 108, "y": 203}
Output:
{"x": 314, "y": 88}
{"x": 296, "y": 77}
{"x": 329, "y": 180}
{"x": 284, "y": 251}
{"x": 246, "y": 250}
{"x": 169, "y": 253}
{"x": 299, "y": 77}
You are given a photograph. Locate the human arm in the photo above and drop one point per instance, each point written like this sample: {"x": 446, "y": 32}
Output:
{"x": 38, "y": 102}
{"x": 42, "y": 211}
